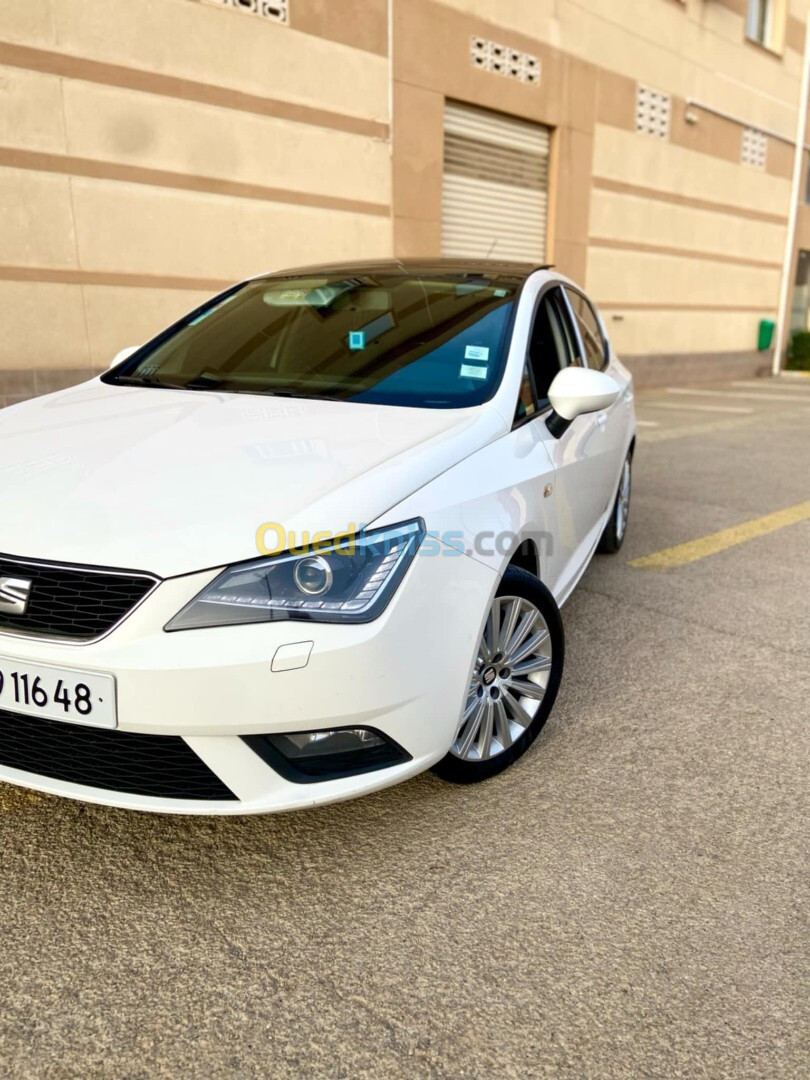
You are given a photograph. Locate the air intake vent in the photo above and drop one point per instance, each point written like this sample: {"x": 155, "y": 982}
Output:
{"x": 275, "y": 10}
{"x": 754, "y": 148}
{"x": 501, "y": 60}
{"x": 653, "y": 110}
{"x": 161, "y": 766}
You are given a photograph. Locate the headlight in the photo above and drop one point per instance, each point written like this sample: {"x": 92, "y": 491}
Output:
{"x": 350, "y": 579}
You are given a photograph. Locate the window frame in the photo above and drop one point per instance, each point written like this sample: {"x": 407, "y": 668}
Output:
{"x": 599, "y": 324}
{"x": 771, "y": 16}
{"x": 542, "y": 411}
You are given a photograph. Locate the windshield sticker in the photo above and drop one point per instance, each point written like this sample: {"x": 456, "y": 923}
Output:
{"x": 357, "y": 340}
{"x": 476, "y": 352}
{"x": 470, "y": 371}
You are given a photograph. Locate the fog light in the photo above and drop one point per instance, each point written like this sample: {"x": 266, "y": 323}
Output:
{"x": 308, "y": 756}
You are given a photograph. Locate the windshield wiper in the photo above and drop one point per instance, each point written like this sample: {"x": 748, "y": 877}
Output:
{"x": 300, "y": 394}
{"x": 204, "y": 381}
{"x": 146, "y": 380}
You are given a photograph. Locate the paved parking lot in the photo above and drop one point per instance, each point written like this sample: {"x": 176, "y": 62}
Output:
{"x": 629, "y": 901}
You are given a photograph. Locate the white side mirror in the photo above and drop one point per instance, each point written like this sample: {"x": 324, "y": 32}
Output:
{"x": 576, "y": 391}
{"x": 123, "y": 355}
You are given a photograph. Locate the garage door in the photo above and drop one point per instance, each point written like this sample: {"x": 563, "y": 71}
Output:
{"x": 495, "y": 187}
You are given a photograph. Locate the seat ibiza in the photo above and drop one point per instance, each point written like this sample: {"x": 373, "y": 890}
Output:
{"x": 310, "y": 540}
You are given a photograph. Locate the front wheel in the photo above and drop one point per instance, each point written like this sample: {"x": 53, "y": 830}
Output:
{"x": 613, "y": 536}
{"x": 515, "y": 681}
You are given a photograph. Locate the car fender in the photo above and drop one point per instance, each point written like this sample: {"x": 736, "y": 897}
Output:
{"x": 477, "y": 507}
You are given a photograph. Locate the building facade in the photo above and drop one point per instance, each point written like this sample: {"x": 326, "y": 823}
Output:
{"x": 153, "y": 151}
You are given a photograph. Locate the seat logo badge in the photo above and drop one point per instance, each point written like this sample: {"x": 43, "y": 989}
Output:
{"x": 14, "y": 595}
{"x": 489, "y": 676}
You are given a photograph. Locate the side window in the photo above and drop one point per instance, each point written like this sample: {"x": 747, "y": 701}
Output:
{"x": 526, "y": 406}
{"x": 766, "y": 23}
{"x": 551, "y": 347}
{"x": 595, "y": 351}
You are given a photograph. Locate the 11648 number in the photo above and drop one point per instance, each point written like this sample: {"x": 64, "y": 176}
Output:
{"x": 28, "y": 691}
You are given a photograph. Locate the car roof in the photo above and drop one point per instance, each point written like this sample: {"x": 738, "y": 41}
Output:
{"x": 470, "y": 267}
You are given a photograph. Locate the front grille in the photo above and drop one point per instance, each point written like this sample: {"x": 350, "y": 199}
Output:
{"x": 163, "y": 766}
{"x": 76, "y": 603}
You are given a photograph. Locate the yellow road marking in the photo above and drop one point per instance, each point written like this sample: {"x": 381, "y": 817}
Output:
{"x": 693, "y": 550}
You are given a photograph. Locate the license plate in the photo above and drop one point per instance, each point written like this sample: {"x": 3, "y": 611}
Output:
{"x": 78, "y": 697}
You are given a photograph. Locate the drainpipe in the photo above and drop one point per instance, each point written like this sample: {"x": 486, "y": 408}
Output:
{"x": 790, "y": 239}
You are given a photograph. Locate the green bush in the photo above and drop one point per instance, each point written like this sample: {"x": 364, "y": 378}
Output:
{"x": 799, "y": 351}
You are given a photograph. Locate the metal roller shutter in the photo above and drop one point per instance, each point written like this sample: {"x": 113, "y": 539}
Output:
{"x": 495, "y": 188}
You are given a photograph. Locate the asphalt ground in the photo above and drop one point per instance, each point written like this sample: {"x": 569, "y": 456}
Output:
{"x": 629, "y": 901}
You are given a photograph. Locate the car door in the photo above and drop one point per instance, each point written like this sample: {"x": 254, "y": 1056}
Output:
{"x": 582, "y": 457}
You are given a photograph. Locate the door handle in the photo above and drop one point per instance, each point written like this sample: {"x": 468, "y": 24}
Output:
{"x": 601, "y": 419}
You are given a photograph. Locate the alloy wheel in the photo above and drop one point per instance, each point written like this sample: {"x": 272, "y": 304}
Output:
{"x": 509, "y": 682}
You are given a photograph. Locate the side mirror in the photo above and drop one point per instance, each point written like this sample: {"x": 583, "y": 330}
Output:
{"x": 123, "y": 355}
{"x": 576, "y": 391}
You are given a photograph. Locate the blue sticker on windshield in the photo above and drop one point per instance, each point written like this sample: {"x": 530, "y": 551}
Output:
{"x": 357, "y": 340}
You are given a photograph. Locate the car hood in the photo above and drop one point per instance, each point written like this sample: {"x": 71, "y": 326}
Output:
{"x": 173, "y": 481}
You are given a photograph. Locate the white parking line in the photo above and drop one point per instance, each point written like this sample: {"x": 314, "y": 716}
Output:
{"x": 774, "y": 384}
{"x": 701, "y": 426}
{"x": 697, "y": 408}
{"x": 647, "y": 423}
{"x": 733, "y": 395}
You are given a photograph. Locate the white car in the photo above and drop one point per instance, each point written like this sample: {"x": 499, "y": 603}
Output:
{"x": 309, "y": 541}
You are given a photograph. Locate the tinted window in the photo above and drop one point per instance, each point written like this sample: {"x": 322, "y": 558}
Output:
{"x": 526, "y": 406}
{"x": 391, "y": 338}
{"x": 589, "y": 329}
{"x": 551, "y": 347}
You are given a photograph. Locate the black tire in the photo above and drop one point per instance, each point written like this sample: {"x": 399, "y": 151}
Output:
{"x": 517, "y": 583}
{"x": 616, "y": 529}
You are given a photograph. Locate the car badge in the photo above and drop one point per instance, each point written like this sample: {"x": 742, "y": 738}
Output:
{"x": 14, "y": 595}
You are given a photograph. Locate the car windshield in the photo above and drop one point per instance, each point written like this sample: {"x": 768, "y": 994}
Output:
{"x": 392, "y": 338}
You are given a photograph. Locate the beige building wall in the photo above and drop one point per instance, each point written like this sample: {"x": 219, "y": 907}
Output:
{"x": 153, "y": 151}
{"x": 678, "y": 240}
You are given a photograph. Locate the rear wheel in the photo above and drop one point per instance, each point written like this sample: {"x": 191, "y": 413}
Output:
{"x": 515, "y": 681}
{"x": 613, "y": 536}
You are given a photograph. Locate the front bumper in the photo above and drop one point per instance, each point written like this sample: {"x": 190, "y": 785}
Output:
{"x": 405, "y": 674}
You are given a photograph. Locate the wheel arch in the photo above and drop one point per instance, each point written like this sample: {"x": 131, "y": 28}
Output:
{"x": 526, "y": 557}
